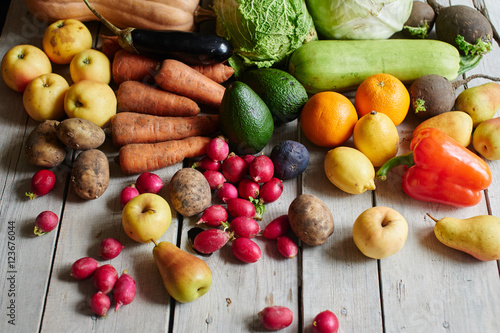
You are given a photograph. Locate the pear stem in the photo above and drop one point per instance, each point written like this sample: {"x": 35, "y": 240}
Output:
{"x": 433, "y": 218}
{"x": 154, "y": 242}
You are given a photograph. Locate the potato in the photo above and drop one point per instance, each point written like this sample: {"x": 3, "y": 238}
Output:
{"x": 310, "y": 219}
{"x": 90, "y": 174}
{"x": 189, "y": 192}
{"x": 42, "y": 146}
{"x": 80, "y": 134}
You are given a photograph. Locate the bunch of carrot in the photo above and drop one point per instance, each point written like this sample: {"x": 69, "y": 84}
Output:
{"x": 158, "y": 123}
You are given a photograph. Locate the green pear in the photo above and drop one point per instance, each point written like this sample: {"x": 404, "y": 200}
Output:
{"x": 457, "y": 124}
{"x": 478, "y": 236}
{"x": 480, "y": 102}
{"x": 185, "y": 276}
{"x": 486, "y": 139}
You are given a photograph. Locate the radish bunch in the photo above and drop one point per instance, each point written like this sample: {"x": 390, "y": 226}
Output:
{"x": 146, "y": 182}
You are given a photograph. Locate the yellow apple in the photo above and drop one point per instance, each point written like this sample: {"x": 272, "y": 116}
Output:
{"x": 91, "y": 100}
{"x": 43, "y": 98}
{"x": 65, "y": 38}
{"x": 90, "y": 64}
{"x": 380, "y": 232}
{"x": 23, "y": 63}
{"x": 146, "y": 217}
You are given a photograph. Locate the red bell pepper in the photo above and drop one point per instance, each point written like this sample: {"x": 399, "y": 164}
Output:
{"x": 441, "y": 170}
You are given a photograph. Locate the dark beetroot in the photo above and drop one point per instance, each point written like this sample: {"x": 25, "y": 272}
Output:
{"x": 271, "y": 190}
{"x": 45, "y": 222}
{"x": 83, "y": 268}
{"x": 246, "y": 250}
{"x": 248, "y": 188}
{"x": 287, "y": 247}
{"x": 210, "y": 240}
{"x": 218, "y": 149}
{"x": 277, "y": 227}
{"x": 213, "y": 216}
{"x": 261, "y": 169}
{"x": 240, "y": 207}
{"x": 234, "y": 168}
{"x": 325, "y": 322}
{"x": 100, "y": 304}
{"x": 42, "y": 182}
{"x": 206, "y": 163}
{"x": 148, "y": 182}
{"x": 227, "y": 191}
{"x": 244, "y": 227}
{"x": 275, "y": 317}
{"x": 105, "y": 278}
{"x": 124, "y": 291}
{"x": 110, "y": 248}
{"x": 127, "y": 194}
{"x": 214, "y": 178}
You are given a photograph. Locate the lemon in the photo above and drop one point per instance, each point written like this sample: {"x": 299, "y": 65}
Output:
{"x": 376, "y": 136}
{"x": 350, "y": 170}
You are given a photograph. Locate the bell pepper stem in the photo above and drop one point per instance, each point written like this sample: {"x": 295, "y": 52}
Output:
{"x": 406, "y": 159}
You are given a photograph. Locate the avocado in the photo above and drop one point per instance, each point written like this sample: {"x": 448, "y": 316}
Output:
{"x": 245, "y": 120}
{"x": 283, "y": 94}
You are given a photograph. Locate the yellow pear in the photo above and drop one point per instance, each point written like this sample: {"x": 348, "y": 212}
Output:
{"x": 480, "y": 102}
{"x": 478, "y": 236}
{"x": 457, "y": 124}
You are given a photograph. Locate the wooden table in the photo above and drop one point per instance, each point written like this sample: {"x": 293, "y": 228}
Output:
{"x": 426, "y": 287}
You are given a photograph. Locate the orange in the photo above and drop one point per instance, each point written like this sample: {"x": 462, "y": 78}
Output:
{"x": 383, "y": 93}
{"x": 328, "y": 119}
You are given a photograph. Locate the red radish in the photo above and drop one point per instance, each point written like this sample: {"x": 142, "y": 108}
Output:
{"x": 83, "y": 268}
{"x": 271, "y": 190}
{"x": 100, "y": 304}
{"x": 210, "y": 240}
{"x": 277, "y": 227}
{"x": 125, "y": 289}
{"x": 45, "y": 222}
{"x": 213, "y": 216}
{"x": 248, "y": 159}
{"x": 214, "y": 178}
{"x": 218, "y": 149}
{"x": 149, "y": 182}
{"x": 275, "y": 317}
{"x": 240, "y": 207}
{"x": 234, "y": 168}
{"x": 42, "y": 182}
{"x": 261, "y": 169}
{"x": 246, "y": 250}
{"x": 206, "y": 163}
{"x": 110, "y": 248}
{"x": 248, "y": 188}
{"x": 287, "y": 247}
{"x": 325, "y": 322}
{"x": 127, "y": 194}
{"x": 227, "y": 191}
{"x": 104, "y": 278}
{"x": 244, "y": 227}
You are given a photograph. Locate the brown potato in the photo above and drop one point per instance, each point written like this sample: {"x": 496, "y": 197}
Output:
{"x": 189, "y": 192}
{"x": 90, "y": 174}
{"x": 310, "y": 219}
{"x": 42, "y": 146}
{"x": 80, "y": 134}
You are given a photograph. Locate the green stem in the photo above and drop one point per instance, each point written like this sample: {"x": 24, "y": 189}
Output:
{"x": 468, "y": 62}
{"x": 406, "y": 159}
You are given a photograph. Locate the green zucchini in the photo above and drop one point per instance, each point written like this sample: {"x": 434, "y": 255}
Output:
{"x": 341, "y": 65}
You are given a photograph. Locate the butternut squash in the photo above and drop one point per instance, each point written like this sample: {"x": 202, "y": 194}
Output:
{"x": 147, "y": 14}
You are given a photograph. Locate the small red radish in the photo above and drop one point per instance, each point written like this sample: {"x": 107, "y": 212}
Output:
{"x": 206, "y": 163}
{"x": 148, "y": 182}
{"x": 243, "y": 226}
{"x": 248, "y": 188}
{"x": 271, "y": 190}
{"x": 210, "y": 240}
{"x": 234, "y": 168}
{"x": 218, "y": 149}
{"x": 248, "y": 158}
{"x": 213, "y": 216}
{"x": 240, "y": 207}
{"x": 246, "y": 250}
{"x": 287, "y": 247}
{"x": 45, "y": 222}
{"x": 110, "y": 248}
{"x": 127, "y": 194}
{"x": 124, "y": 291}
{"x": 42, "y": 182}
{"x": 104, "y": 278}
{"x": 227, "y": 191}
{"x": 83, "y": 268}
{"x": 261, "y": 169}
{"x": 275, "y": 317}
{"x": 100, "y": 304}
{"x": 214, "y": 178}
{"x": 277, "y": 227}
{"x": 325, "y": 322}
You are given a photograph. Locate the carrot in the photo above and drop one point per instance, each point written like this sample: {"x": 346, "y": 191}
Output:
{"x": 179, "y": 78}
{"x": 217, "y": 72}
{"x": 110, "y": 46}
{"x": 129, "y": 66}
{"x": 131, "y": 127}
{"x": 143, "y": 157}
{"x": 139, "y": 97}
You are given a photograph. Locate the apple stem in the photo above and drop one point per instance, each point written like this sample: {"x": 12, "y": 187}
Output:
{"x": 434, "y": 219}
{"x": 154, "y": 242}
